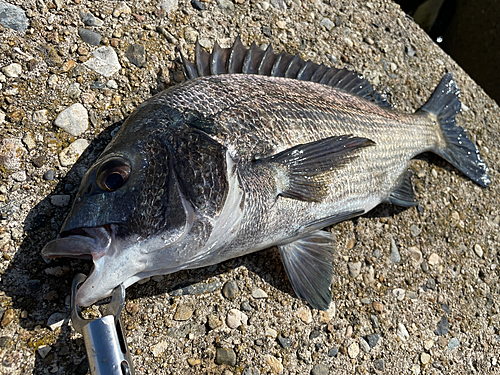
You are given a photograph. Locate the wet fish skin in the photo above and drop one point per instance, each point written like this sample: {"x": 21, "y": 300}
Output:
{"x": 225, "y": 165}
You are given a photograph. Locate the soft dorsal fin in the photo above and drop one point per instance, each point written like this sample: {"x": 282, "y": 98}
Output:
{"x": 253, "y": 60}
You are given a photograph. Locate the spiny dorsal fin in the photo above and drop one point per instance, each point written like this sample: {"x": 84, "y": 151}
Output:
{"x": 253, "y": 60}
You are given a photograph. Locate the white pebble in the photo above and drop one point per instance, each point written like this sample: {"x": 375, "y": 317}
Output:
{"x": 56, "y": 320}
{"x": 259, "y": 293}
{"x": 40, "y": 116}
{"x": 478, "y": 250}
{"x": 235, "y": 318}
{"x": 74, "y": 119}
{"x": 19, "y": 176}
{"x": 402, "y": 332}
{"x": 13, "y": 70}
{"x": 104, "y": 61}
{"x": 70, "y": 154}
{"x": 399, "y": 294}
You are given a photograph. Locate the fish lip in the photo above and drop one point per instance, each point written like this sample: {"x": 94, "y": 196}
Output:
{"x": 81, "y": 243}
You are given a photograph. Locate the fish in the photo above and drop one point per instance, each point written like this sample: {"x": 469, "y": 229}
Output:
{"x": 254, "y": 149}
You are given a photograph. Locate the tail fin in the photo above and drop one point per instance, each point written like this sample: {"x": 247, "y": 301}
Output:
{"x": 459, "y": 149}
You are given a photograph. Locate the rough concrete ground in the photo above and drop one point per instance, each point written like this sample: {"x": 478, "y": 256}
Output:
{"x": 435, "y": 311}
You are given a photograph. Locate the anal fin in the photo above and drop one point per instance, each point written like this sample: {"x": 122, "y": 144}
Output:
{"x": 404, "y": 195}
{"x": 309, "y": 267}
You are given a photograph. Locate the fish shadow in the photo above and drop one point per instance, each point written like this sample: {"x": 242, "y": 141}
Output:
{"x": 39, "y": 289}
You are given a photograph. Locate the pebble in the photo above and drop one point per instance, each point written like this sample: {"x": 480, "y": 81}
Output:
{"x": 415, "y": 254}
{"x": 90, "y": 20}
{"x": 97, "y": 85}
{"x": 74, "y": 119}
{"x": 214, "y": 322}
{"x": 29, "y": 142}
{"x": 442, "y": 326}
{"x": 320, "y": 369}
{"x": 2, "y": 114}
{"x": 225, "y": 357}
{"x": 197, "y": 5}
{"x": 136, "y": 54}
{"x": 159, "y": 348}
{"x": 274, "y": 363}
{"x": 453, "y": 343}
{"x": 184, "y": 311}
{"x": 104, "y": 61}
{"x": 225, "y": 5}
{"x": 121, "y": 8}
{"x": 424, "y": 266}
{"x": 354, "y": 269}
{"x": 196, "y": 289}
{"x": 353, "y": 350}
{"x": 74, "y": 91}
{"x": 269, "y": 332}
{"x": 13, "y": 70}
{"x": 193, "y": 361}
{"x": 285, "y": 342}
{"x": 327, "y": 23}
{"x": 19, "y": 176}
{"x": 13, "y": 17}
{"x": 112, "y": 84}
{"x": 259, "y": 293}
{"x": 324, "y": 317}
{"x": 11, "y": 152}
{"x": 49, "y": 175}
{"x": 478, "y": 250}
{"x": 44, "y": 350}
{"x": 8, "y": 317}
{"x": 70, "y": 154}
{"x": 279, "y": 4}
{"x": 190, "y": 35}
{"x": 425, "y": 358}
{"x": 230, "y": 289}
{"x": 51, "y": 56}
{"x": 428, "y": 344}
{"x": 372, "y": 339}
{"x": 56, "y": 320}
{"x": 377, "y": 306}
{"x": 304, "y": 355}
{"x": 364, "y": 345}
{"x": 60, "y": 200}
{"x": 434, "y": 259}
{"x": 410, "y": 51}
{"x": 169, "y": 5}
{"x": 395, "y": 257}
{"x": 314, "y": 334}
{"x": 245, "y": 306}
{"x": 333, "y": 352}
{"x": 132, "y": 308}
{"x": 265, "y": 6}
{"x": 402, "y": 332}
{"x": 304, "y": 314}
{"x": 90, "y": 37}
{"x": 379, "y": 364}
{"x": 399, "y": 294}
{"x": 415, "y": 230}
{"x": 235, "y": 318}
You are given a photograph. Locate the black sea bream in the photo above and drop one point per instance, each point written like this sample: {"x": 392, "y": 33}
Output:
{"x": 255, "y": 149}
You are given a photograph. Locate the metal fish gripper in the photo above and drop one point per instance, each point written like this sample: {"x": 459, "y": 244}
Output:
{"x": 107, "y": 349}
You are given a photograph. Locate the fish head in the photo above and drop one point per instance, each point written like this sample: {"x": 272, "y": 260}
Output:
{"x": 146, "y": 207}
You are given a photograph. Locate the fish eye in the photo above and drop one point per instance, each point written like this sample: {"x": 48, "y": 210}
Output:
{"x": 113, "y": 174}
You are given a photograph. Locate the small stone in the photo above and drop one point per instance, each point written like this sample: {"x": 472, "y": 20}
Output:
{"x": 324, "y": 317}
{"x": 304, "y": 314}
{"x": 353, "y": 350}
{"x": 193, "y": 361}
{"x": 442, "y": 326}
{"x": 70, "y": 154}
{"x": 424, "y": 266}
{"x": 132, "y": 308}
{"x": 51, "y": 56}
{"x": 379, "y": 364}
{"x": 265, "y": 6}
{"x": 354, "y": 269}
{"x": 415, "y": 230}
{"x": 374, "y": 320}
{"x": 431, "y": 284}
{"x": 49, "y": 175}
{"x": 230, "y": 289}
{"x": 245, "y": 306}
{"x": 169, "y": 6}
{"x": 13, "y": 17}
{"x": 349, "y": 42}
{"x": 190, "y": 34}
{"x": 428, "y": 344}
{"x": 11, "y": 152}
{"x": 377, "y": 306}
{"x": 19, "y": 176}
{"x": 304, "y": 355}
{"x": 285, "y": 342}
{"x": 395, "y": 257}
{"x": 434, "y": 259}
{"x": 399, "y": 294}
{"x": 372, "y": 339}
{"x": 235, "y": 318}
{"x": 214, "y": 322}
{"x": 274, "y": 363}
{"x": 225, "y": 5}
{"x": 402, "y": 332}
{"x": 13, "y": 70}
{"x": 366, "y": 301}
{"x": 333, "y": 352}
{"x": 104, "y": 61}
{"x": 259, "y": 293}
{"x": 410, "y": 51}
{"x": 73, "y": 119}
{"x": 90, "y": 37}
{"x": 425, "y": 358}
{"x": 478, "y": 250}
{"x": 44, "y": 350}
{"x": 184, "y": 311}
{"x": 60, "y": 200}
{"x": 314, "y": 334}
{"x": 453, "y": 344}
{"x": 415, "y": 254}
{"x": 97, "y": 85}
{"x": 136, "y": 54}
{"x": 225, "y": 357}
{"x": 112, "y": 84}
{"x": 121, "y": 8}
{"x": 56, "y": 320}
{"x": 269, "y": 332}
{"x": 159, "y": 348}
{"x": 364, "y": 345}
{"x": 320, "y": 369}
{"x": 279, "y": 4}
{"x": 29, "y": 142}
{"x": 327, "y": 23}
{"x": 198, "y": 5}
{"x": 90, "y": 20}
{"x": 74, "y": 90}
{"x": 8, "y": 317}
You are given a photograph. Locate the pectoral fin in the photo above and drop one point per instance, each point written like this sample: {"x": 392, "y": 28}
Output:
{"x": 404, "y": 195}
{"x": 308, "y": 265}
{"x": 301, "y": 169}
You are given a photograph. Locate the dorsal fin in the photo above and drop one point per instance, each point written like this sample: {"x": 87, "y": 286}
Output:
{"x": 253, "y": 60}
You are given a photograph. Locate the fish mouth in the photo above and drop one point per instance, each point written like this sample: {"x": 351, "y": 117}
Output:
{"x": 80, "y": 243}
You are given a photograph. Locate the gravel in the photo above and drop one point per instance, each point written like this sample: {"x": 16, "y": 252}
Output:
{"x": 47, "y": 56}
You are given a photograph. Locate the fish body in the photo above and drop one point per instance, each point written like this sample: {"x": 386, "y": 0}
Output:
{"x": 267, "y": 153}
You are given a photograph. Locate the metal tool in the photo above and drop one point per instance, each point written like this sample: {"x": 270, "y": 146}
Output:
{"x": 107, "y": 349}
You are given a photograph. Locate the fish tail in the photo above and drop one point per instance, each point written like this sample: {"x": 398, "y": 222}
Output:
{"x": 454, "y": 145}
